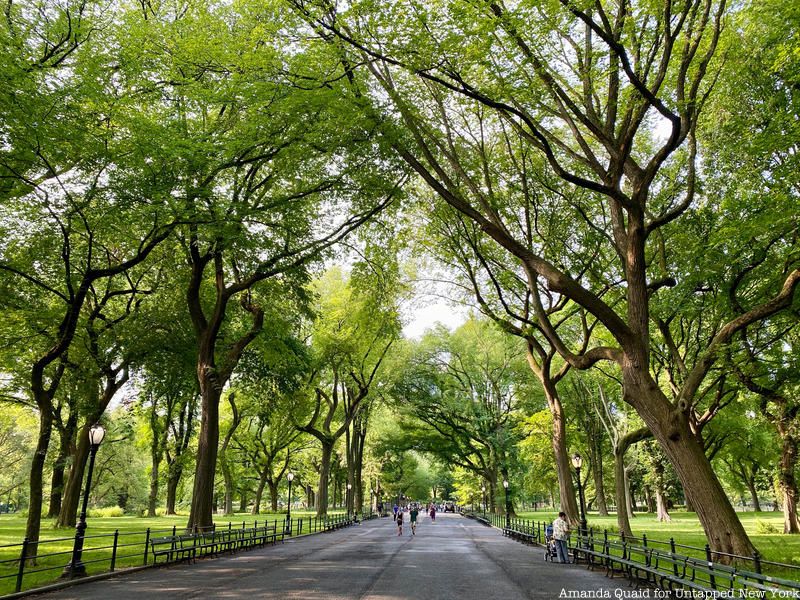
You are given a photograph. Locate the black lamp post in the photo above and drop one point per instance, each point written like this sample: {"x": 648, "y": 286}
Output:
{"x": 371, "y": 500}
{"x": 290, "y": 477}
{"x": 76, "y": 568}
{"x": 508, "y": 505}
{"x": 483, "y": 491}
{"x": 577, "y": 461}
{"x": 347, "y": 500}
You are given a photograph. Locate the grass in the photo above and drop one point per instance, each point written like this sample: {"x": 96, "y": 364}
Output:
{"x": 55, "y": 545}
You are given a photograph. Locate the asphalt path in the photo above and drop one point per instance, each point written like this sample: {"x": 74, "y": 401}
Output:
{"x": 451, "y": 558}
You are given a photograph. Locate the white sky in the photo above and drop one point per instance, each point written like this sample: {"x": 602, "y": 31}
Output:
{"x": 421, "y": 316}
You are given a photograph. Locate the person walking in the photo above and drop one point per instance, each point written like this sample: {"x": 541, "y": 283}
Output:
{"x": 399, "y": 519}
{"x": 413, "y": 514}
{"x": 561, "y": 535}
{"x": 433, "y": 512}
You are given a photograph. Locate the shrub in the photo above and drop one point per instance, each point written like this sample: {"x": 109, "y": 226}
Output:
{"x": 765, "y": 527}
{"x": 105, "y": 512}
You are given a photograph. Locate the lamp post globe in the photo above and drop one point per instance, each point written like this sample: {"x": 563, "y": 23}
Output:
{"x": 348, "y": 500}
{"x": 76, "y": 568}
{"x": 577, "y": 462}
{"x": 483, "y": 493}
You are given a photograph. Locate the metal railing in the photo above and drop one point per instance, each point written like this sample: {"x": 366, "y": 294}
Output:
{"x": 26, "y": 566}
{"x": 665, "y": 564}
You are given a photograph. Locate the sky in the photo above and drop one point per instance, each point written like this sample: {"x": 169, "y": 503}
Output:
{"x": 423, "y": 314}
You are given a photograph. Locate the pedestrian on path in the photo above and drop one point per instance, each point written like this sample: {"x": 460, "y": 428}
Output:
{"x": 561, "y": 535}
{"x": 433, "y": 512}
{"x": 413, "y": 514}
{"x": 399, "y": 519}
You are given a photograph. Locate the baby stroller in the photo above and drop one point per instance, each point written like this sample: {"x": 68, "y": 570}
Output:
{"x": 549, "y": 544}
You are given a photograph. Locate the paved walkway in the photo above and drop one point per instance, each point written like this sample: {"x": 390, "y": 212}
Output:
{"x": 453, "y": 558}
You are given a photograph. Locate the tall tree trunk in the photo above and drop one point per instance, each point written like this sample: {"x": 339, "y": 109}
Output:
{"x": 157, "y": 447}
{"x": 324, "y": 475}
{"x": 273, "y": 495}
{"x": 350, "y": 467}
{"x": 541, "y": 368}
{"x": 662, "y": 514}
{"x": 566, "y": 487}
{"x": 621, "y": 493}
{"x": 183, "y": 436}
{"x": 228, "y": 482}
{"x": 751, "y": 487}
{"x": 173, "y": 479}
{"x": 621, "y": 487}
{"x": 36, "y": 479}
{"x": 114, "y": 379}
{"x": 65, "y": 444}
{"x": 310, "y": 497}
{"x": 200, "y": 515}
{"x": 630, "y": 507}
{"x": 670, "y": 427}
{"x": 72, "y": 492}
{"x": 599, "y": 486}
{"x": 788, "y": 482}
{"x": 262, "y": 482}
{"x": 649, "y": 501}
{"x": 152, "y": 499}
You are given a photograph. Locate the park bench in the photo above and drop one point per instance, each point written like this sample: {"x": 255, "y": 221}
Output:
{"x": 772, "y": 586}
{"x": 585, "y": 548}
{"x": 701, "y": 575}
{"x": 275, "y": 533}
{"x": 174, "y": 547}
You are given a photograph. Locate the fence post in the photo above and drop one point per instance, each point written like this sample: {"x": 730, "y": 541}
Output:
{"x": 114, "y": 550}
{"x": 23, "y": 556}
{"x": 672, "y": 550}
{"x": 174, "y": 530}
{"x": 644, "y": 540}
{"x": 757, "y": 561}
{"x": 146, "y": 544}
{"x": 711, "y": 579}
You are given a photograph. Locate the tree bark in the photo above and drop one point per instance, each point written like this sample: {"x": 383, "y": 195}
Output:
{"x": 751, "y": 487}
{"x": 621, "y": 493}
{"x": 324, "y": 475}
{"x": 649, "y": 501}
{"x": 152, "y": 499}
{"x": 66, "y": 443}
{"x": 182, "y": 437}
{"x": 173, "y": 479}
{"x": 72, "y": 492}
{"x": 599, "y": 485}
{"x": 566, "y": 487}
{"x": 200, "y": 515}
{"x": 788, "y": 482}
{"x": 662, "y": 514}
{"x": 36, "y": 479}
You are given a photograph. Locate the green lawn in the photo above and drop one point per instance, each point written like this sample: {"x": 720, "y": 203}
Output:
{"x": 686, "y": 530}
{"x": 97, "y": 551}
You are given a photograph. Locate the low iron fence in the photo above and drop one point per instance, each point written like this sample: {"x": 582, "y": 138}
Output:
{"x": 665, "y": 564}
{"x": 26, "y": 565}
